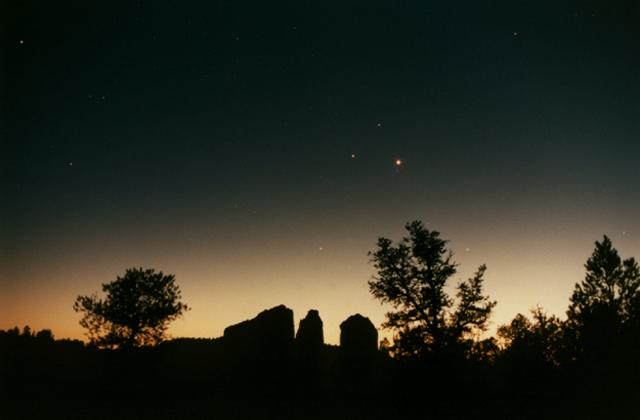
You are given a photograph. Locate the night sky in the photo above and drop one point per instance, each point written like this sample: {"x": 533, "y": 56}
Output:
{"x": 251, "y": 148}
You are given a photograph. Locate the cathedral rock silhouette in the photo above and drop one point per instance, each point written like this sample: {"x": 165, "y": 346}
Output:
{"x": 266, "y": 344}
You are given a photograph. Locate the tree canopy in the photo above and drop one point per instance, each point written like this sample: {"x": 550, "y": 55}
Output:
{"x": 412, "y": 276}
{"x": 605, "y": 306}
{"x": 539, "y": 342}
{"x": 136, "y": 311}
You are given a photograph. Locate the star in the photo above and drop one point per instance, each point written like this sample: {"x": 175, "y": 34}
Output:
{"x": 398, "y": 162}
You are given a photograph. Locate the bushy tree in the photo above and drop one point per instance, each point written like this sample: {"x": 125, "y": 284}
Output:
{"x": 45, "y": 336}
{"x": 539, "y": 342}
{"x": 412, "y": 276}
{"x": 604, "y": 312}
{"x": 26, "y": 331}
{"x": 519, "y": 327}
{"x": 136, "y": 312}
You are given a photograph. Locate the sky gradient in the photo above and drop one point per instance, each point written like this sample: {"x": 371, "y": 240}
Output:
{"x": 251, "y": 150}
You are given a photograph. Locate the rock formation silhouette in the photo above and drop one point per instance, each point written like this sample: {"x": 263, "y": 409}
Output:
{"x": 265, "y": 341}
{"x": 359, "y": 361}
{"x": 310, "y": 351}
{"x": 310, "y": 334}
{"x": 272, "y": 327}
{"x": 358, "y": 336}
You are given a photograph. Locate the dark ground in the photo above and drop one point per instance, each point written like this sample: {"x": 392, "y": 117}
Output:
{"x": 195, "y": 379}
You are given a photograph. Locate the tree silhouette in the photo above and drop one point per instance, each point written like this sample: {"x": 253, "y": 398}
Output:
{"x": 136, "y": 311}
{"x": 412, "y": 276}
{"x": 537, "y": 343}
{"x": 45, "y": 336}
{"x": 518, "y": 329}
{"x": 26, "y": 331}
{"x": 605, "y": 306}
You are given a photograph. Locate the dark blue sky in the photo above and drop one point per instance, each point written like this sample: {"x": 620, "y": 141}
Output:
{"x": 214, "y": 140}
